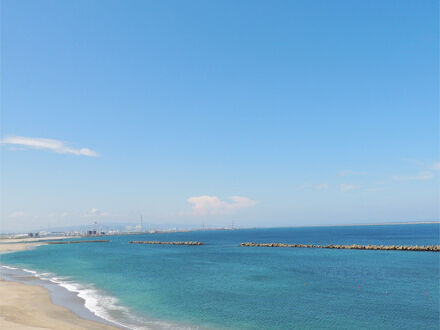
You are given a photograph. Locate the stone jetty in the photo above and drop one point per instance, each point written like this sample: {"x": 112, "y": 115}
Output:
{"x": 74, "y": 242}
{"x": 166, "y": 243}
{"x": 429, "y": 248}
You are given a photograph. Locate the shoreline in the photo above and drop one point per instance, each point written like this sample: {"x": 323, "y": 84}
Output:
{"x": 26, "y": 306}
{"x": 354, "y": 225}
{"x": 34, "y": 239}
{"x": 64, "y": 300}
{"x": 80, "y": 297}
{"x": 11, "y": 247}
{"x": 58, "y": 308}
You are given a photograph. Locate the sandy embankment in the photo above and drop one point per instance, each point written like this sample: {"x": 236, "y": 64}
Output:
{"x": 24, "y": 306}
{"x": 34, "y": 239}
{"x": 18, "y": 244}
{"x": 12, "y": 247}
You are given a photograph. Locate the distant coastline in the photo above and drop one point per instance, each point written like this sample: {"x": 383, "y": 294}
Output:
{"x": 374, "y": 224}
{"x": 175, "y": 230}
{"x": 348, "y": 225}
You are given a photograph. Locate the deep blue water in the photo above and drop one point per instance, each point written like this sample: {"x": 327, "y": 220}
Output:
{"x": 222, "y": 285}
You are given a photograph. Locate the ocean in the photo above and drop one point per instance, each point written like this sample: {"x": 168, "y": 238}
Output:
{"x": 221, "y": 285}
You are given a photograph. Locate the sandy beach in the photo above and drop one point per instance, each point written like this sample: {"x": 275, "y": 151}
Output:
{"x": 18, "y": 244}
{"x": 30, "y": 307}
{"x": 24, "y": 306}
{"x": 13, "y": 247}
{"x": 33, "y": 239}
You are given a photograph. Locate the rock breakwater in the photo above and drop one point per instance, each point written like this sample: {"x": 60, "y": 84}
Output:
{"x": 74, "y": 242}
{"x": 166, "y": 243}
{"x": 428, "y": 248}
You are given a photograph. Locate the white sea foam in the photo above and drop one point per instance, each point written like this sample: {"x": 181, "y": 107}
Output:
{"x": 43, "y": 276}
{"x": 98, "y": 303}
{"x": 9, "y": 267}
{"x": 104, "y": 306}
{"x": 30, "y": 271}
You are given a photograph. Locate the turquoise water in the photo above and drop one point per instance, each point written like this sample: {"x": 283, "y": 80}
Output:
{"x": 224, "y": 286}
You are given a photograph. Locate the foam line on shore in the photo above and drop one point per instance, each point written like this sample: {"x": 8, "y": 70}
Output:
{"x": 100, "y": 304}
{"x": 104, "y": 306}
{"x": 90, "y": 296}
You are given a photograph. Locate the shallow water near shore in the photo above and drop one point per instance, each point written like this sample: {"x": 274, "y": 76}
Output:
{"x": 221, "y": 285}
{"x": 59, "y": 295}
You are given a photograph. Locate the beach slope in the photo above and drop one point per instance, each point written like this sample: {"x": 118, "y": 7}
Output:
{"x": 25, "y": 306}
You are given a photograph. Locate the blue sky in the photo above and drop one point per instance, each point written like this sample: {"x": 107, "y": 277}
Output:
{"x": 189, "y": 112}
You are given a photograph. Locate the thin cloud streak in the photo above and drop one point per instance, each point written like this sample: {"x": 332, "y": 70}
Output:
{"x": 94, "y": 212}
{"x": 428, "y": 172}
{"x": 57, "y": 146}
{"x": 347, "y": 187}
{"x": 425, "y": 175}
{"x": 17, "y": 214}
{"x": 350, "y": 172}
{"x": 435, "y": 166}
{"x": 319, "y": 186}
{"x": 212, "y": 205}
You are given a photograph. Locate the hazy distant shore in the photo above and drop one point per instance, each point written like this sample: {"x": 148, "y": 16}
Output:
{"x": 369, "y": 224}
{"x": 177, "y": 230}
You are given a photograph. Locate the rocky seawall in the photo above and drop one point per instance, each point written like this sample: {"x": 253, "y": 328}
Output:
{"x": 166, "y": 243}
{"x": 429, "y": 248}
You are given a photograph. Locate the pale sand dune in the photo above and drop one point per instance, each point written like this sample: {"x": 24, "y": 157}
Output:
{"x": 12, "y": 247}
{"x": 33, "y": 239}
{"x": 25, "y": 306}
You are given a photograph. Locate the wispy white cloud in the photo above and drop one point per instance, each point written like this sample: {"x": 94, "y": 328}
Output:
{"x": 319, "y": 186}
{"x": 381, "y": 182}
{"x": 347, "y": 187}
{"x": 424, "y": 175}
{"x": 376, "y": 189}
{"x": 57, "y": 215}
{"x": 350, "y": 172}
{"x": 57, "y": 146}
{"x": 17, "y": 214}
{"x": 427, "y": 172}
{"x": 212, "y": 205}
{"x": 413, "y": 161}
{"x": 435, "y": 166}
{"x": 94, "y": 212}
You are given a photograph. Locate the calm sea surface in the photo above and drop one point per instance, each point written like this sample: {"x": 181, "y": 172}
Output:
{"x": 223, "y": 286}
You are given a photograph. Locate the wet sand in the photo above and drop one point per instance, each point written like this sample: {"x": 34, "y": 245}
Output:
{"x": 29, "y": 307}
{"x": 24, "y": 306}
